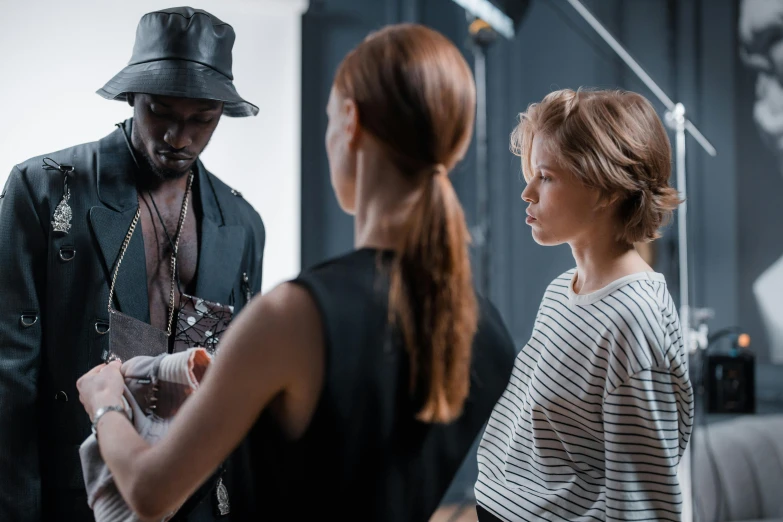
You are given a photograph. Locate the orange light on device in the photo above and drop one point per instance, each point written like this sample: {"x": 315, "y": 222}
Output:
{"x": 743, "y": 341}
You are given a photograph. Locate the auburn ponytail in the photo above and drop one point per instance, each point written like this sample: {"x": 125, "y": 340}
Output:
{"x": 415, "y": 93}
{"x": 433, "y": 302}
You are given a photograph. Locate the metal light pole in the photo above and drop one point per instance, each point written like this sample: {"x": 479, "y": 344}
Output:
{"x": 487, "y": 21}
{"x": 481, "y": 231}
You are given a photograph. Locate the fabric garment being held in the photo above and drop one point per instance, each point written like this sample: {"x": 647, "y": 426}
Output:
{"x": 155, "y": 389}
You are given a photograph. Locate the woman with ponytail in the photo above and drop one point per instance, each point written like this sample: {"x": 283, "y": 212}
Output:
{"x": 362, "y": 384}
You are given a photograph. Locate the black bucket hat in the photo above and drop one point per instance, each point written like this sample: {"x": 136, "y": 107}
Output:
{"x": 181, "y": 52}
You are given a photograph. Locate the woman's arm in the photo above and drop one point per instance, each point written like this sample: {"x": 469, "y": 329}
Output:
{"x": 272, "y": 343}
{"x": 644, "y": 423}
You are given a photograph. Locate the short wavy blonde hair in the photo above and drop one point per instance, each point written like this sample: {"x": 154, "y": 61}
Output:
{"x": 612, "y": 141}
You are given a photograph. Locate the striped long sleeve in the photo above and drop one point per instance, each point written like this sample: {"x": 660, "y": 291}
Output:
{"x": 643, "y": 446}
{"x": 597, "y": 412}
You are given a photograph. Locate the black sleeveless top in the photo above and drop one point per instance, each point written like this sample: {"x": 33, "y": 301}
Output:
{"x": 364, "y": 456}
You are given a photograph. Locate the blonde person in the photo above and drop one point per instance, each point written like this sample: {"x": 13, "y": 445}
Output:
{"x": 598, "y": 410}
{"x": 363, "y": 383}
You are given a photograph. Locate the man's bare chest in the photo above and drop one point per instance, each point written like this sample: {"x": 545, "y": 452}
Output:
{"x": 159, "y": 227}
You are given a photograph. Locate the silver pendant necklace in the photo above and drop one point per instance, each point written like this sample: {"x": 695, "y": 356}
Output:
{"x": 224, "y": 507}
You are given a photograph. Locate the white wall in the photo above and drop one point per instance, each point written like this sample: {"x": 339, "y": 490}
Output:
{"x": 55, "y": 54}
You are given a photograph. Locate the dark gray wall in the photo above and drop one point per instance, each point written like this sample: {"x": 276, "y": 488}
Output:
{"x": 688, "y": 46}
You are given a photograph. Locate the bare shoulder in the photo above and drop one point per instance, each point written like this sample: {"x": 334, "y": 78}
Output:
{"x": 284, "y": 332}
{"x": 289, "y": 306}
{"x": 282, "y": 326}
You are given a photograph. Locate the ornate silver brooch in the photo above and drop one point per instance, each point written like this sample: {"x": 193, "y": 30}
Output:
{"x": 61, "y": 221}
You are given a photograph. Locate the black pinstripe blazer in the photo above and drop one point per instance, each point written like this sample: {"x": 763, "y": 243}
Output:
{"x": 42, "y": 422}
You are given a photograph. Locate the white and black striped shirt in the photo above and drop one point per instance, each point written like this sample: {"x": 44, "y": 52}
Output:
{"x": 598, "y": 410}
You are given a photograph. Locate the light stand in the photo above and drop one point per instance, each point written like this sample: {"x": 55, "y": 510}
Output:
{"x": 481, "y": 36}
{"x": 694, "y": 329}
{"x": 487, "y": 21}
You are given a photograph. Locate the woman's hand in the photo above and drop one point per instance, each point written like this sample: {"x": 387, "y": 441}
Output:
{"x": 102, "y": 386}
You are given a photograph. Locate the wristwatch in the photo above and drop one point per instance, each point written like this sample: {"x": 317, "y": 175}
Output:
{"x": 103, "y": 411}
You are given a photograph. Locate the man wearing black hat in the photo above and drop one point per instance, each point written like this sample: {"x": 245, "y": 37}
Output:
{"x": 121, "y": 247}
